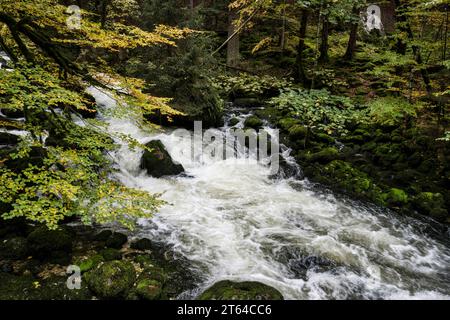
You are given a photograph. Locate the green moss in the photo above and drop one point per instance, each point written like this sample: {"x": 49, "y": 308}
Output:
{"x": 324, "y": 156}
{"x": 395, "y": 197}
{"x": 110, "y": 254}
{"x": 144, "y": 260}
{"x": 268, "y": 113}
{"x": 89, "y": 263}
{"x": 253, "y": 122}
{"x": 287, "y": 123}
{"x": 233, "y": 122}
{"x": 342, "y": 176}
{"x": 432, "y": 204}
{"x": 15, "y": 287}
{"x": 323, "y": 137}
{"x": 149, "y": 289}
{"x": 111, "y": 279}
{"x": 229, "y": 290}
{"x": 298, "y": 131}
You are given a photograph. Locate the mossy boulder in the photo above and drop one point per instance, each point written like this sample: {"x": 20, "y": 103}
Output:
{"x": 297, "y": 131}
{"x": 89, "y": 263}
{"x": 111, "y": 280}
{"x": 432, "y": 204}
{"x": 110, "y": 254}
{"x": 158, "y": 161}
{"x": 342, "y": 176}
{"x": 253, "y": 122}
{"x": 286, "y": 123}
{"x": 149, "y": 289}
{"x": 322, "y": 138}
{"x": 103, "y": 235}
{"x": 324, "y": 156}
{"x": 395, "y": 197}
{"x": 233, "y": 122}
{"x": 50, "y": 245}
{"x": 229, "y": 290}
{"x": 116, "y": 240}
{"x": 248, "y": 102}
{"x": 14, "y": 248}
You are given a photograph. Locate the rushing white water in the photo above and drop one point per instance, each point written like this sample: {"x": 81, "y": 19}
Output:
{"x": 234, "y": 222}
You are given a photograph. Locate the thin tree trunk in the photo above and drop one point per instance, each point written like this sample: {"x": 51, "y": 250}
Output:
{"x": 233, "y": 43}
{"x": 283, "y": 29}
{"x": 406, "y": 27}
{"x": 444, "y": 55}
{"x": 351, "y": 46}
{"x": 103, "y": 12}
{"x": 300, "y": 74}
{"x": 323, "y": 58}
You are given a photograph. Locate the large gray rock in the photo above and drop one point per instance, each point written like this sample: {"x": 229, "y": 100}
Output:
{"x": 158, "y": 161}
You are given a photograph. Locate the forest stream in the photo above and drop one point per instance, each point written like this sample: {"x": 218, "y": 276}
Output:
{"x": 233, "y": 220}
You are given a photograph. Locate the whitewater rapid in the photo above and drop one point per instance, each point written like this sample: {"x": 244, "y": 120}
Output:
{"x": 232, "y": 220}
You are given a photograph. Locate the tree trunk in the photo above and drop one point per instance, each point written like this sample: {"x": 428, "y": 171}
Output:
{"x": 283, "y": 29}
{"x": 351, "y": 47}
{"x": 300, "y": 74}
{"x": 402, "y": 45}
{"x": 323, "y": 58}
{"x": 103, "y": 12}
{"x": 233, "y": 43}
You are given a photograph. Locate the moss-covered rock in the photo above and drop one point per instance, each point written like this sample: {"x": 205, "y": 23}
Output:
{"x": 297, "y": 131}
{"x": 116, "y": 240}
{"x": 253, "y": 122}
{"x": 286, "y": 123}
{"x": 342, "y": 176}
{"x": 149, "y": 289}
{"x": 110, "y": 254}
{"x": 233, "y": 122}
{"x": 50, "y": 245}
{"x": 158, "y": 161}
{"x": 432, "y": 204}
{"x": 89, "y": 263}
{"x": 395, "y": 197}
{"x": 26, "y": 287}
{"x": 14, "y": 248}
{"x": 324, "y": 156}
{"x": 229, "y": 290}
{"x": 103, "y": 235}
{"x": 112, "y": 279}
{"x": 248, "y": 102}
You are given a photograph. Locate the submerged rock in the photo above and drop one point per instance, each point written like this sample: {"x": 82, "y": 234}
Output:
{"x": 158, "y": 161}
{"x": 229, "y": 290}
{"x": 111, "y": 279}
